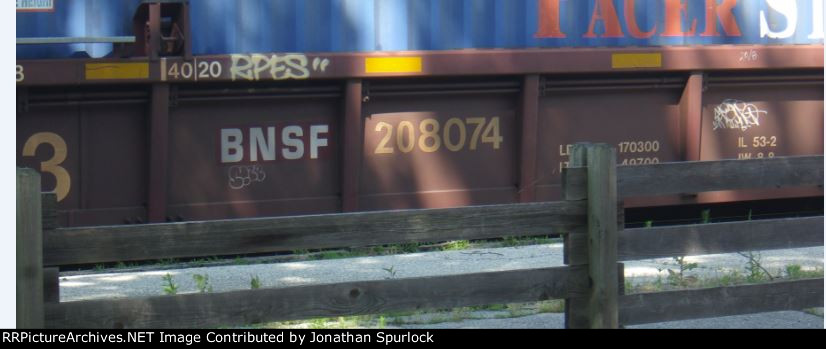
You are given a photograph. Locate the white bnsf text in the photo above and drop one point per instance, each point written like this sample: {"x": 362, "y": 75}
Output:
{"x": 288, "y": 142}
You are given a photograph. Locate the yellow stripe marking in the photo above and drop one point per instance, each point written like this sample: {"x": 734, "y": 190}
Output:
{"x": 636, "y": 60}
{"x": 378, "y": 65}
{"x": 112, "y": 71}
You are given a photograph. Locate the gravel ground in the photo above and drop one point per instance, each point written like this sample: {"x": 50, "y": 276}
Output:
{"x": 235, "y": 277}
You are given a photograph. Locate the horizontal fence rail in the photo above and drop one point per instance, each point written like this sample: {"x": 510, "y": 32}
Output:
{"x": 694, "y": 177}
{"x": 591, "y": 282}
{"x": 703, "y": 239}
{"x": 720, "y": 301}
{"x": 261, "y": 235}
{"x": 351, "y": 298}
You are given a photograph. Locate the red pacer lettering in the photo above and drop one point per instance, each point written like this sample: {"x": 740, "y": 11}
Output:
{"x": 604, "y": 11}
{"x": 549, "y": 20}
{"x": 674, "y": 11}
{"x": 675, "y": 14}
{"x": 722, "y": 12}
{"x": 631, "y": 19}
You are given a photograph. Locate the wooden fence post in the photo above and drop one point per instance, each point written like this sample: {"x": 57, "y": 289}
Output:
{"x": 29, "y": 251}
{"x": 598, "y": 309}
{"x": 51, "y": 276}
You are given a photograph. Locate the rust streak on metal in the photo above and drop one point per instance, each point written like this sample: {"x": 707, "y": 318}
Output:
{"x": 158, "y": 153}
{"x": 691, "y": 116}
{"x": 530, "y": 115}
{"x": 351, "y": 141}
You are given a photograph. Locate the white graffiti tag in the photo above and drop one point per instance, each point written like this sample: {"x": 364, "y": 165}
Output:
{"x": 735, "y": 114}
{"x": 254, "y": 67}
{"x": 243, "y": 176}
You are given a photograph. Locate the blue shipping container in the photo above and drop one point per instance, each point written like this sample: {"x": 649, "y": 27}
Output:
{"x": 238, "y": 26}
{"x": 221, "y": 26}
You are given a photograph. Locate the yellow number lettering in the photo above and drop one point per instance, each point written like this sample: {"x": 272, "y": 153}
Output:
{"x": 430, "y": 130}
{"x": 52, "y": 165}
{"x": 383, "y": 148}
{"x": 474, "y": 139}
{"x": 454, "y": 147}
{"x": 406, "y": 128}
{"x": 491, "y": 134}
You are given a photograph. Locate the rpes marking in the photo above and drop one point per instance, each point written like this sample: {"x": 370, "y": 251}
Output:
{"x": 254, "y": 67}
{"x": 280, "y": 142}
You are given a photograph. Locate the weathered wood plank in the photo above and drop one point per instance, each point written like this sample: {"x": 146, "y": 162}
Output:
{"x": 721, "y": 301}
{"x": 49, "y": 211}
{"x": 51, "y": 285}
{"x": 575, "y": 249}
{"x": 29, "y": 250}
{"x": 343, "y": 299}
{"x": 575, "y": 187}
{"x": 213, "y": 238}
{"x": 694, "y": 177}
{"x": 574, "y": 182}
{"x": 602, "y": 236}
{"x": 703, "y": 239}
{"x": 576, "y": 315}
{"x": 693, "y": 240}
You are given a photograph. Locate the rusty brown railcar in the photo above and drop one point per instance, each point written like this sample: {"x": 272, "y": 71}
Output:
{"x": 155, "y": 133}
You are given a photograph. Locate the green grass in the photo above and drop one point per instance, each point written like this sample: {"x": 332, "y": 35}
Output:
{"x": 255, "y": 282}
{"x": 456, "y": 245}
{"x": 552, "y": 306}
{"x": 169, "y": 286}
{"x": 421, "y": 317}
{"x": 513, "y": 241}
{"x": 202, "y": 283}
{"x": 731, "y": 278}
{"x": 795, "y": 272}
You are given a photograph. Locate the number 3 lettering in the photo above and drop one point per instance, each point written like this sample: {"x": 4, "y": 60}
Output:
{"x": 52, "y": 165}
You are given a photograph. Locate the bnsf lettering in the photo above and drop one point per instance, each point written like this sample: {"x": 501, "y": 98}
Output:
{"x": 273, "y": 143}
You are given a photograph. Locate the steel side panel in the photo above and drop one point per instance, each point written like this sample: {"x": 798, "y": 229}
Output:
{"x": 105, "y": 161}
{"x": 442, "y": 178}
{"x": 202, "y": 187}
{"x": 790, "y": 120}
{"x": 605, "y": 116}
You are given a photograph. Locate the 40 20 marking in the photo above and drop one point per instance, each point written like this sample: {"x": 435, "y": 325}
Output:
{"x": 194, "y": 70}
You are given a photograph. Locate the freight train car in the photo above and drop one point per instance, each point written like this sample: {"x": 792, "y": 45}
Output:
{"x": 175, "y": 110}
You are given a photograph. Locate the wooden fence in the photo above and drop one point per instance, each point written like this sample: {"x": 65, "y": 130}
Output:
{"x": 589, "y": 218}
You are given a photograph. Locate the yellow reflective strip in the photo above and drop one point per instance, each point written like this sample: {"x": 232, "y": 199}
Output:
{"x": 636, "y": 60}
{"x": 110, "y": 71}
{"x": 376, "y": 65}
